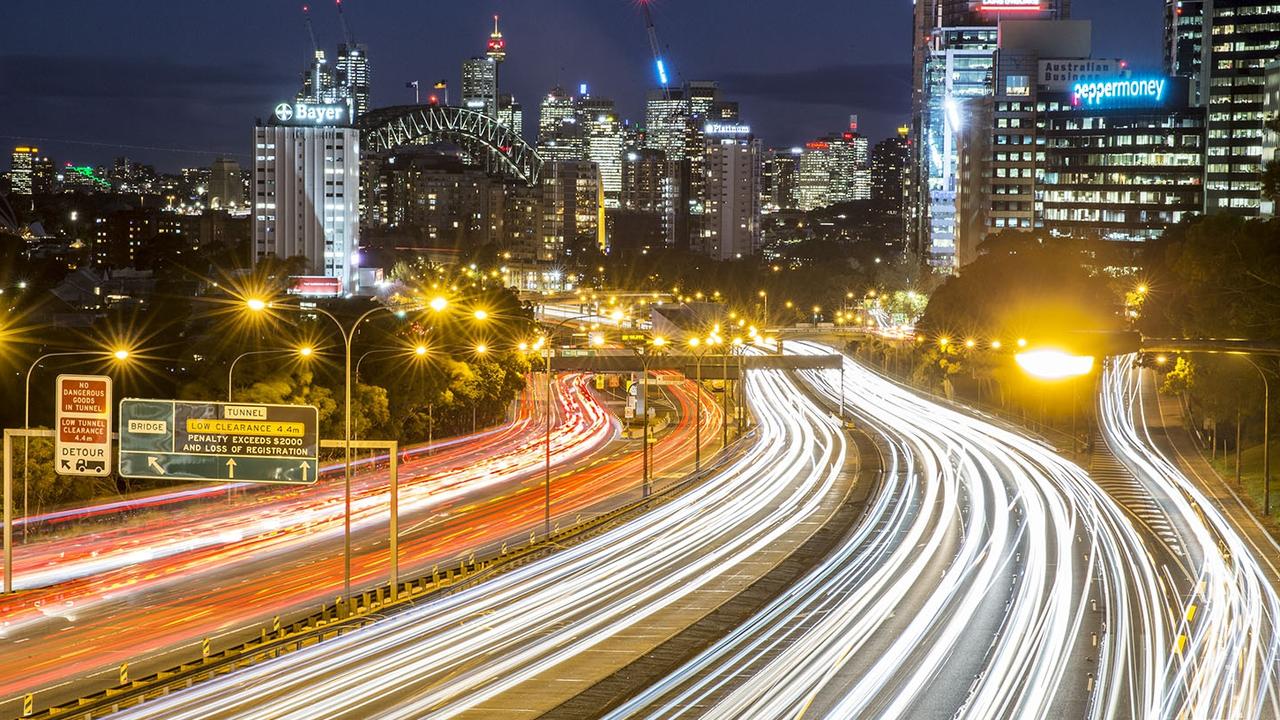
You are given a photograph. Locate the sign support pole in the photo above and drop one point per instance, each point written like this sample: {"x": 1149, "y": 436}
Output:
{"x": 8, "y": 511}
{"x": 9, "y": 434}
{"x": 395, "y": 519}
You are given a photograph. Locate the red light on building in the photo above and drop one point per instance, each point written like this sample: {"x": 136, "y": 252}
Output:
{"x": 433, "y": 100}
{"x": 848, "y": 136}
{"x": 315, "y": 286}
{"x": 818, "y": 145}
{"x": 1011, "y": 6}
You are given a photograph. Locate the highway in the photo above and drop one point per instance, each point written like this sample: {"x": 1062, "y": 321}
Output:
{"x": 1229, "y": 665}
{"x": 991, "y": 579}
{"x": 281, "y": 552}
{"x": 448, "y": 657}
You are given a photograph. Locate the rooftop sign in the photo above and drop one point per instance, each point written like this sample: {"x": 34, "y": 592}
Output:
{"x": 309, "y": 113}
{"x": 1122, "y": 92}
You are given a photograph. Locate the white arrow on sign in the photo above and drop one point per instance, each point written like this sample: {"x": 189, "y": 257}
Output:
{"x": 231, "y": 469}
{"x": 154, "y": 463}
{"x": 304, "y": 467}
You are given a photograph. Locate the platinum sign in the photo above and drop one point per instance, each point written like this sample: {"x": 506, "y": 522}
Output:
{"x": 1099, "y": 93}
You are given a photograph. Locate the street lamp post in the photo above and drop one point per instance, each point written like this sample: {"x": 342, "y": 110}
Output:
{"x": 546, "y": 482}
{"x": 645, "y": 355}
{"x": 302, "y": 351}
{"x": 348, "y": 336}
{"x": 700, "y": 349}
{"x": 119, "y": 355}
{"x": 1266, "y": 436}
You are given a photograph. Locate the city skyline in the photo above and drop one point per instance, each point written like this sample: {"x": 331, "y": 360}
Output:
{"x": 206, "y": 77}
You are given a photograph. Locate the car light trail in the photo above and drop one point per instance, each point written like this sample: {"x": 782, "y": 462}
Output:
{"x": 492, "y": 637}
{"x": 1229, "y": 663}
{"x": 968, "y": 591}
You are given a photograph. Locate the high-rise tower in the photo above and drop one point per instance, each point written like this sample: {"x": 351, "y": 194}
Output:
{"x": 1223, "y": 47}
{"x": 953, "y": 49}
{"x": 497, "y": 53}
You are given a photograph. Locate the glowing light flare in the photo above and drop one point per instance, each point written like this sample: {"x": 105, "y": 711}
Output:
{"x": 1050, "y": 364}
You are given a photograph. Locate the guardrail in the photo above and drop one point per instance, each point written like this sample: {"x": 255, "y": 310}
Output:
{"x": 363, "y": 609}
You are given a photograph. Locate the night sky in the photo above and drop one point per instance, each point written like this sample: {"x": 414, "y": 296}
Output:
{"x": 181, "y": 80}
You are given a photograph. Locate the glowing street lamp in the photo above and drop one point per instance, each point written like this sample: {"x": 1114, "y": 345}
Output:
{"x": 119, "y": 355}
{"x": 1049, "y": 364}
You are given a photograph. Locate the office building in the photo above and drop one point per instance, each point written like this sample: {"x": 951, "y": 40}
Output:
{"x": 1122, "y": 171}
{"x": 1222, "y": 47}
{"x": 306, "y": 192}
{"x": 952, "y": 48}
{"x": 604, "y": 148}
{"x": 226, "y": 184}
{"x": 572, "y": 210}
{"x": 21, "y": 170}
{"x": 1115, "y": 159}
{"x": 889, "y": 160}
{"x": 510, "y": 113}
{"x": 560, "y": 136}
{"x": 352, "y": 74}
{"x": 666, "y": 121}
{"x": 780, "y": 180}
{"x": 730, "y": 227}
{"x": 850, "y": 174}
{"x": 480, "y": 85}
{"x": 813, "y": 188}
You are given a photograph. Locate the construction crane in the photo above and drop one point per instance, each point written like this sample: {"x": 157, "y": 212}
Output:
{"x": 653, "y": 45}
{"x": 346, "y": 30}
{"x": 306, "y": 18}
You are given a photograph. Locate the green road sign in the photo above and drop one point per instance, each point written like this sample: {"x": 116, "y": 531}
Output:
{"x": 248, "y": 442}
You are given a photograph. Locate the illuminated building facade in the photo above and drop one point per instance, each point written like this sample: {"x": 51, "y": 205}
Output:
{"x": 306, "y": 192}
{"x": 952, "y": 48}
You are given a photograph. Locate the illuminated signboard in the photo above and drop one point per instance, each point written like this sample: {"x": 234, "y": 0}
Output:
{"x": 306, "y": 113}
{"x": 714, "y": 128}
{"x": 1119, "y": 92}
{"x": 1011, "y": 6}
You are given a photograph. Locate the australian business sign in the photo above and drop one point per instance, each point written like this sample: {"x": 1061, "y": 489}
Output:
{"x": 1119, "y": 92}
{"x": 309, "y": 113}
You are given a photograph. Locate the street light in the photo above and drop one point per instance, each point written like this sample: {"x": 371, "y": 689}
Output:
{"x": 305, "y": 352}
{"x": 257, "y": 305}
{"x": 700, "y": 350}
{"x": 657, "y": 344}
{"x": 546, "y": 484}
{"x": 1049, "y": 364}
{"x": 119, "y": 355}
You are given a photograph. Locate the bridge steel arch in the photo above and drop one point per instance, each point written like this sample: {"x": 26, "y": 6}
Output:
{"x": 505, "y": 151}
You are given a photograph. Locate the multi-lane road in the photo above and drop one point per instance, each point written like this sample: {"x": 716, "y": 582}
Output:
{"x": 453, "y": 656}
{"x": 148, "y": 592}
{"x": 990, "y": 577}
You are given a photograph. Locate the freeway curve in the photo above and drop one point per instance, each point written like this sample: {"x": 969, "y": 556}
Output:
{"x": 449, "y": 657}
{"x": 1229, "y": 662}
{"x": 993, "y": 579}
{"x": 281, "y": 553}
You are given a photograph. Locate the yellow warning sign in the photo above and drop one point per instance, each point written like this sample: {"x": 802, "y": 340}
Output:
{"x": 214, "y": 426}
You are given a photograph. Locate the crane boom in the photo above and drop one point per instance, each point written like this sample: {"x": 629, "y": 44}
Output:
{"x": 306, "y": 18}
{"x": 659, "y": 65}
{"x": 346, "y": 29}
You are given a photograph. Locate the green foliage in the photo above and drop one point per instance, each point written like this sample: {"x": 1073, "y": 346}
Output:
{"x": 1026, "y": 289}
{"x": 47, "y": 489}
{"x": 1217, "y": 276}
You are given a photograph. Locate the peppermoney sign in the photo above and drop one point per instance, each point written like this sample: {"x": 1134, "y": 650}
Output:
{"x": 248, "y": 442}
{"x": 82, "y": 442}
